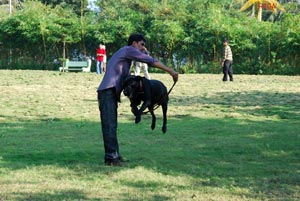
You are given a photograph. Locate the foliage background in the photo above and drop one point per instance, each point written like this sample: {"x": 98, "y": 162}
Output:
{"x": 186, "y": 35}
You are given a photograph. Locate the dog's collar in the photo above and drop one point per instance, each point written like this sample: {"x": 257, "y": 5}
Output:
{"x": 141, "y": 87}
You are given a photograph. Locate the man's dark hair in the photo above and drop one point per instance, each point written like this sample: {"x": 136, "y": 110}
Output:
{"x": 136, "y": 38}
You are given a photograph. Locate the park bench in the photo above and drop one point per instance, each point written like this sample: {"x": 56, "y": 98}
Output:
{"x": 76, "y": 66}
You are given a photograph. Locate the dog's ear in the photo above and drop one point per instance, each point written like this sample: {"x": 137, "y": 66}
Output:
{"x": 127, "y": 80}
{"x": 138, "y": 78}
{"x": 130, "y": 78}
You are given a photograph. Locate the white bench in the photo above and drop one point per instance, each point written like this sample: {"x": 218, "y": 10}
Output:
{"x": 76, "y": 66}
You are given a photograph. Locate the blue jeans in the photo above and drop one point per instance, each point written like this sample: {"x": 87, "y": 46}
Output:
{"x": 99, "y": 66}
{"x": 107, "y": 101}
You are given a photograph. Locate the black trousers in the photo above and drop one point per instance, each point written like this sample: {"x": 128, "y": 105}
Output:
{"x": 107, "y": 101}
{"x": 227, "y": 70}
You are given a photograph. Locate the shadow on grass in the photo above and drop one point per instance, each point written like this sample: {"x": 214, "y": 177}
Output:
{"x": 61, "y": 195}
{"x": 256, "y": 103}
{"x": 50, "y": 141}
{"x": 260, "y": 156}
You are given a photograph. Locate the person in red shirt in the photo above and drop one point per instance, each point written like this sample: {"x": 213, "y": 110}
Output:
{"x": 101, "y": 53}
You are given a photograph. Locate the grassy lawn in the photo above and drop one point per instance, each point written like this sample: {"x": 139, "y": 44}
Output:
{"x": 225, "y": 141}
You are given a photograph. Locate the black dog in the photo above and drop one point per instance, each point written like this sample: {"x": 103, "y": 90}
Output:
{"x": 151, "y": 92}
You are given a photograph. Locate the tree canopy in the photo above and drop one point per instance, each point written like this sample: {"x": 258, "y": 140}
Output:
{"x": 185, "y": 34}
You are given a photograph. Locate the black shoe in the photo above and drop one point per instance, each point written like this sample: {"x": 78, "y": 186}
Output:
{"x": 113, "y": 162}
{"x": 122, "y": 160}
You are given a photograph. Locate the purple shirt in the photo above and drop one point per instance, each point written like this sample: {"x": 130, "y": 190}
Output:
{"x": 118, "y": 68}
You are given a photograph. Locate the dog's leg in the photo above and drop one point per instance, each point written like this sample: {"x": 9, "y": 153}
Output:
{"x": 134, "y": 109}
{"x": 147, "y": 95}
{"x": 153, "y": 118}
{"x": 136, "y": 112}
{"x": 137, "y": 119}
{"x": 164, "y": 109}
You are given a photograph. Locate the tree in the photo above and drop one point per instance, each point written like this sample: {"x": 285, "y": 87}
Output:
{"x": 185, "y": 34}
{"x": 65, "y": 28}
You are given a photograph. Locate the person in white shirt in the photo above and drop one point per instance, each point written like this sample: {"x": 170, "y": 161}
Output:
{"x": 139, "y": 66}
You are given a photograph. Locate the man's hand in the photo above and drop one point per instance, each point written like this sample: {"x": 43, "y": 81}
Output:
{"x": 174, "y": 75}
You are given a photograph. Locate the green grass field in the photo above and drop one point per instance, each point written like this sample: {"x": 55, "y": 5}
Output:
{"x": 226, "y": 141}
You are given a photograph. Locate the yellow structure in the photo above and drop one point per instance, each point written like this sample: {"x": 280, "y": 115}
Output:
{"x": 272, "y": 5}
